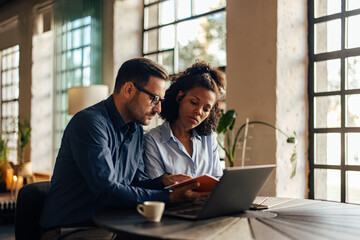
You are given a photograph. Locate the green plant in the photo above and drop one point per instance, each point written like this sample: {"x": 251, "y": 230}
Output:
{"x": 3, "y": 159}
{"x": 226, "y": 125}
{"x": 23, "y": 138}
{"x": 3, "y": 150}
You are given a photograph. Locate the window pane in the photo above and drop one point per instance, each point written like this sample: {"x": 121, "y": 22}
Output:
{"x": 77, "y": 81}
{"x": 87, "y": 20}
{"x": 9, "y": 73}
{"x": 203, "y": 39}
{"x": 352, "y": 73}
{"x": 327, "y": 75}
{"x": 352, "y": 187}
{"x": 151, "y": 16}
{"x": 87, "y": 35}
{"x": 167, "y": 37}
{"x": 327, "y": 112}
{"x": 327, "y": 148}
{"x": 183, "y": 9}
{"x": 353, "y": 110}
{"x": 69, "y": 40}
{"x": 153, "y": 57}
{"x": 352, "y": 4}
{"x": 86, "y": 77}
{"x": 87, "y": 52}
{"x": 76, "y": 23}
{"x": 326, "y": 7}
{"x": 167, "y": 60}
{"x": 77, "y": 38}
{"x": 328, "y": 36}
{"x": 201, "y": 6}
{"x": 150, "y": 41}
{"x": 166, "y": 12}
{"x": 327, "y": 184}
{"x": 353, "y": 39}
{"x": 77, "y": 58}
{"x": 352, "y": 148}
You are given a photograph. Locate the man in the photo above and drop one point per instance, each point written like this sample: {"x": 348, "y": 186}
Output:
{"x": 100, "y": 159}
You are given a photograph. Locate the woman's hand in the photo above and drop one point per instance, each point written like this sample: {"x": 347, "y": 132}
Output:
{"x": 170, "y": 179}
{"x": 186, "y": 194}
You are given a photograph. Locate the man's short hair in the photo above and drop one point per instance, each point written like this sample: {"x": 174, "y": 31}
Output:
{"x": 138, "y": 70}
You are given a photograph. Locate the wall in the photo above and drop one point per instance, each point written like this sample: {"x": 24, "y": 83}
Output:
{"x": 291, "y": 91}
{"x": 127, "y": 32}
{"x": 266, "y": 74}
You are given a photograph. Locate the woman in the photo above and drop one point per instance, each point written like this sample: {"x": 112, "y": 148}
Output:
{"x": 186, "y": 142}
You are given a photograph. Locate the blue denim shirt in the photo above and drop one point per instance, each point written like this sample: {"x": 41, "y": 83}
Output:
{"x": 99, "y": 164}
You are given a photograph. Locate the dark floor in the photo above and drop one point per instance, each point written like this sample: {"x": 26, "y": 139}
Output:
{"x": 7, "y": 231}
{"x": 7, "y": 216}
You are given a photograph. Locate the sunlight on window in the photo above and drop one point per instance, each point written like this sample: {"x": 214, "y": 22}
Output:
{"x": 328, "y": 36}
{"x": 327, "y": 184}
{"x": 177, "y": 33}
{"x": 352, "y": 148}
{"x": 353, "y": 34}
{"x": 327, "y": 75}
{"x": 352, "y": 110}
{"x": 9, "y": 98}
{"x": 327, "y": 148}
{"x": 326, "y": 7}
{"x": 352, "y": 4}
{"x": 327, "y": 112}
{"x": 338, "y": 141}
{"x": 352, "y": 187}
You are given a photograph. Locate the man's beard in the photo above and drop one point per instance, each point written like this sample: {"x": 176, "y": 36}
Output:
{"x": 137, "y": 118}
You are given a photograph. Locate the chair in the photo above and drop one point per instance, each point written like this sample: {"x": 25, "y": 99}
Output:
{"x": 29, "y": 205}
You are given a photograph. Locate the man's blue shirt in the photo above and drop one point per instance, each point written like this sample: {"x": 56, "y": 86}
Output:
{"x": 99, "y": 164}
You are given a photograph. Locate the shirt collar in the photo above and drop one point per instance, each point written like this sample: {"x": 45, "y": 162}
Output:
{"x": 114, "y": 115}
{"x": 167, "y": 134}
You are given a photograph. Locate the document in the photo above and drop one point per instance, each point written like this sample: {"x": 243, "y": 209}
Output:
{"x": 207, "y": 183}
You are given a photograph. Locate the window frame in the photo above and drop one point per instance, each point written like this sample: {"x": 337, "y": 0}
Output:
{"x": 13, "y": 133}
{"x": 176, "y": 21}
{"x": 341, "y": 54}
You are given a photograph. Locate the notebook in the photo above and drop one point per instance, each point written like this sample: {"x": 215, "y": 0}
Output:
{"x": 235, "y": 192}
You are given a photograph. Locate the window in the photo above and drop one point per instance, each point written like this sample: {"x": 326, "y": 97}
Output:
{"x": 74, "y": 59}
{"x": 78, "y": 53}
{"x": 178, "y": 32}
{"x": 334, "y": 97}
{"x": 9, "y": 98}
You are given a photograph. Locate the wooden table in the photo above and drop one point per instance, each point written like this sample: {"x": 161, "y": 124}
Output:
{"x": 286, "y": 218}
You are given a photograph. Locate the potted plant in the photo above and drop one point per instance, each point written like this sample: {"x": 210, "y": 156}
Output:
{"x": 23, "y": 168}
{"x": 6, "y": 170}
{"x": 23, "y": 139}
{"x": 226, "y": 126}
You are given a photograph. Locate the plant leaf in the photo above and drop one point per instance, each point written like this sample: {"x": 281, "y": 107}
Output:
{"x": 227, "y": 120}
{"x": 293, "y": 160}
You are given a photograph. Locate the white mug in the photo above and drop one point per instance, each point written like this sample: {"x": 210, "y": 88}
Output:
{"x": 152, "y": 210}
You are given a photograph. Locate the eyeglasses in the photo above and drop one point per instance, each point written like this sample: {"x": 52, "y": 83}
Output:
{"x": 155, "y": 98}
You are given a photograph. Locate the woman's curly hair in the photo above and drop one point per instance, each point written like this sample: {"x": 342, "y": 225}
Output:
{"x": 200, "y": 74}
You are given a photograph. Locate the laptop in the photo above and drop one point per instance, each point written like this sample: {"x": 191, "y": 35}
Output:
{"x": 235, "y": 192}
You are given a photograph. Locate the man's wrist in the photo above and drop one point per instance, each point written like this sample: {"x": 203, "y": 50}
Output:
{"x": 162, "y": 178}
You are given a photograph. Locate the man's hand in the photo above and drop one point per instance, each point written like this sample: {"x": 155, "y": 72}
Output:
{"x": 186, "y": 194}
{"x": 170, "y": 179}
